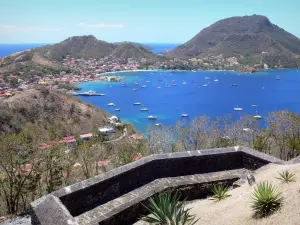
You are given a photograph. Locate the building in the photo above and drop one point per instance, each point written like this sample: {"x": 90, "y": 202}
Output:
{"x": 106, "y": 130}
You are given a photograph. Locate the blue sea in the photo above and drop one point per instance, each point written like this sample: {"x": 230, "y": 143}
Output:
{"x": 215, "y": 100}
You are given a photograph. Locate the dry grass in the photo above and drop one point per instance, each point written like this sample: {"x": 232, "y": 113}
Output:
{"x": 236, "y": 210}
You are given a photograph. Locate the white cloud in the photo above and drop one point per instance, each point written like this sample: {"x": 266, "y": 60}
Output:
{"x": 101, "y": 25}
{"x": 13, "y": 27}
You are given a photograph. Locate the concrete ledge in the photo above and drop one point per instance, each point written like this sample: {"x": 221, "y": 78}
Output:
{"x": 88, "y": 195}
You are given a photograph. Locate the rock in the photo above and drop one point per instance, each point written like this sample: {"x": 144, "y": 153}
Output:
{"x": 251, "y": 179}
{"x": 239, "y": 183}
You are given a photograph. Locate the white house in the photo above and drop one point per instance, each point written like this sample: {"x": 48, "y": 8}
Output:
{"x": 106, "y": 130}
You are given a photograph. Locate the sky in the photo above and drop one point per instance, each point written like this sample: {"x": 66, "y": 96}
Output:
{"x": 147, "y": 21}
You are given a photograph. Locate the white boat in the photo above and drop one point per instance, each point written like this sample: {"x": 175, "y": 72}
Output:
{"x": 168, "y": 86}
{"x": 238, "y": 109}
{"x": 277, "y": 78}
{"x": 151, "y": 117}
{"x": 111, "y": 104}
{"x": 254, "y": 105}
{"x": 257, "y": 117}
{"x": 183, "y": 82}
{"x": 101, "y": 94}
{"x": 216, "y": 80}
{"x": 174, "y": 84}
{"x": 144, "y": 109}
{"x": 123, "y": 85}
{"x": 234, "y": 85}
{"x": 136, "y": 83}
{"x": 117, "y": 109}
{"x": 158, "y": 124}
{"x": 88, "y": 93}
{"x": 148, "y": 81}
{"x": 184, "y": 115}
{"x": 158, "y": 87}
{"x": 144, "y": 86}
{"x": 110, "y": 86}
{"x": 137, "y": 103}
{"x": 134, "y": 89}
{"x": 204, "y": 85}
{"x": 206, "y": 78}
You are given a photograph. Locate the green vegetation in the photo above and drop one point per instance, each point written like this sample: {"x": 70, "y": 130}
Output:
{"x": 266, "y": 199}
{"x": 68, "y": 86}
{"x": 167, "y": 209}
{"x": 220, "y": 192}
{"x": 286, "y": 176}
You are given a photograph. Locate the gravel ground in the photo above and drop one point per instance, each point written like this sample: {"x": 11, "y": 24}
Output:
{"x": 25, "y": 220}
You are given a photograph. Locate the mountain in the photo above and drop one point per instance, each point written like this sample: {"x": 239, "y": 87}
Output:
{"x": 247, "y": 36}
{"x": 48, "y": 109}
{"x": 50, "y": 57}
{"x": 148, "y": 47}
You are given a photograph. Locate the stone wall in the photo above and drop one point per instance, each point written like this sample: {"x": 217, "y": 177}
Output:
{"x": 87, "y": 195}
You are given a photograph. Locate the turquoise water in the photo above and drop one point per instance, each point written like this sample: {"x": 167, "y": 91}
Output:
{"x": 217, "y": 99}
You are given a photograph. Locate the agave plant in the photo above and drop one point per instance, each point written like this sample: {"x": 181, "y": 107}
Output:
{"x": 166, "y": 209}
{"x": 266, "y": 199}
{"x": 286, "y": 176}
{"x": 220, "y": 192}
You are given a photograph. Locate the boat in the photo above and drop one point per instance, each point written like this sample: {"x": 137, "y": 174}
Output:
{"x": 144, "y": 109}
{"x": 136, "y": 83}
{"x": 238, "y": 109}
{"x": 101, "y": 94}
{"x": 216, "y": 80}
{"x": 184, "y": 115}
{"x": 254, "y": 105}
{"x": 137, "y": 103}
{"x": 183, "y": 82}
{"x": 157, "y": 124}
{"x": 144, "y": 86}
{"x": 123, "y": 85}
{"x": 151, "y": 117}
{"x": 134, "y": 89}
{"x": 168, "y": 86}
{"x": 148, "y": 81}
{"x": 88, "y": 93}
{"x": 174, "y": 84}
{"x": 277, "y": 78}
{"x": 111, "y": 104}
{"x": 204, "y": 85}
{"x": 158, "y": 87}
{"x": 192, "y": 81}
{"x": 234, "y": 85}
{"x": 206, "y": 78}
{"x": 110, "y": 86}
{"x": 117, "y": 109}
{"x": 257, "y": 117}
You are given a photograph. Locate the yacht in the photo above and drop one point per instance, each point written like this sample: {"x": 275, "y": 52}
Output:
{"x": 117, "y": 109}
{"x": 158, "y": 87}
{"x": 111, "y": 104}
{"x": 144, "y": 86}
{"x": 206, "y": 78}
{"x": 144, "y": 109}
{"x": 168, "y": 86}
{"x": 277, "y": 78}
{"x": 88, "y": 93}
{"x": 183, "y": 82}
{"x": 257, "y": 117}
{"x": 184, "y": 115}
{"x": 238, "y": 109}
{"x": 234, "y": 85}
{"x": 216, "y": 80}
{"x": 158, "y": 124}
{"x": 101, "y": 94}
{"x": 134, "y": 89}
{"x": 110, "y": 86}
{"x": 151, "y": 117}
{"x": 204, "y": 85}
{"x": 254, "y": 105}
{"x": 174, "y": 84}
{"x": 148, "y": 81}
{"x": 137, "y": 83}
{"x": 137, "y": 103}
{"x": 123, "y": 85}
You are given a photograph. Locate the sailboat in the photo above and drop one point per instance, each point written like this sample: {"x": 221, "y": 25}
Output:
{"x": 256, "y": 115}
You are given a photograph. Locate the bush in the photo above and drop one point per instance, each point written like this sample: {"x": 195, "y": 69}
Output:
{"x": 266, "y": 199}
{"x": 167, "y": 209}
{"x": 286, "y": 176}
{"x": 220, "y": 192}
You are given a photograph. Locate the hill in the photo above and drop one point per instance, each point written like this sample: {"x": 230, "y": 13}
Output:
{"x": 246, "y": 36}
{"x": 148, "y": 47}
{"x": 49, "y": 59}
{"x": 49, "y": 109}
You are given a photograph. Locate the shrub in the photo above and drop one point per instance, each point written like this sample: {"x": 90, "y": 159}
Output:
{"x": 286, "y": 176}
{"x": 220, "y": 192}
{"x": 167, "y": 209}
{"x": 266, "y": 199}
